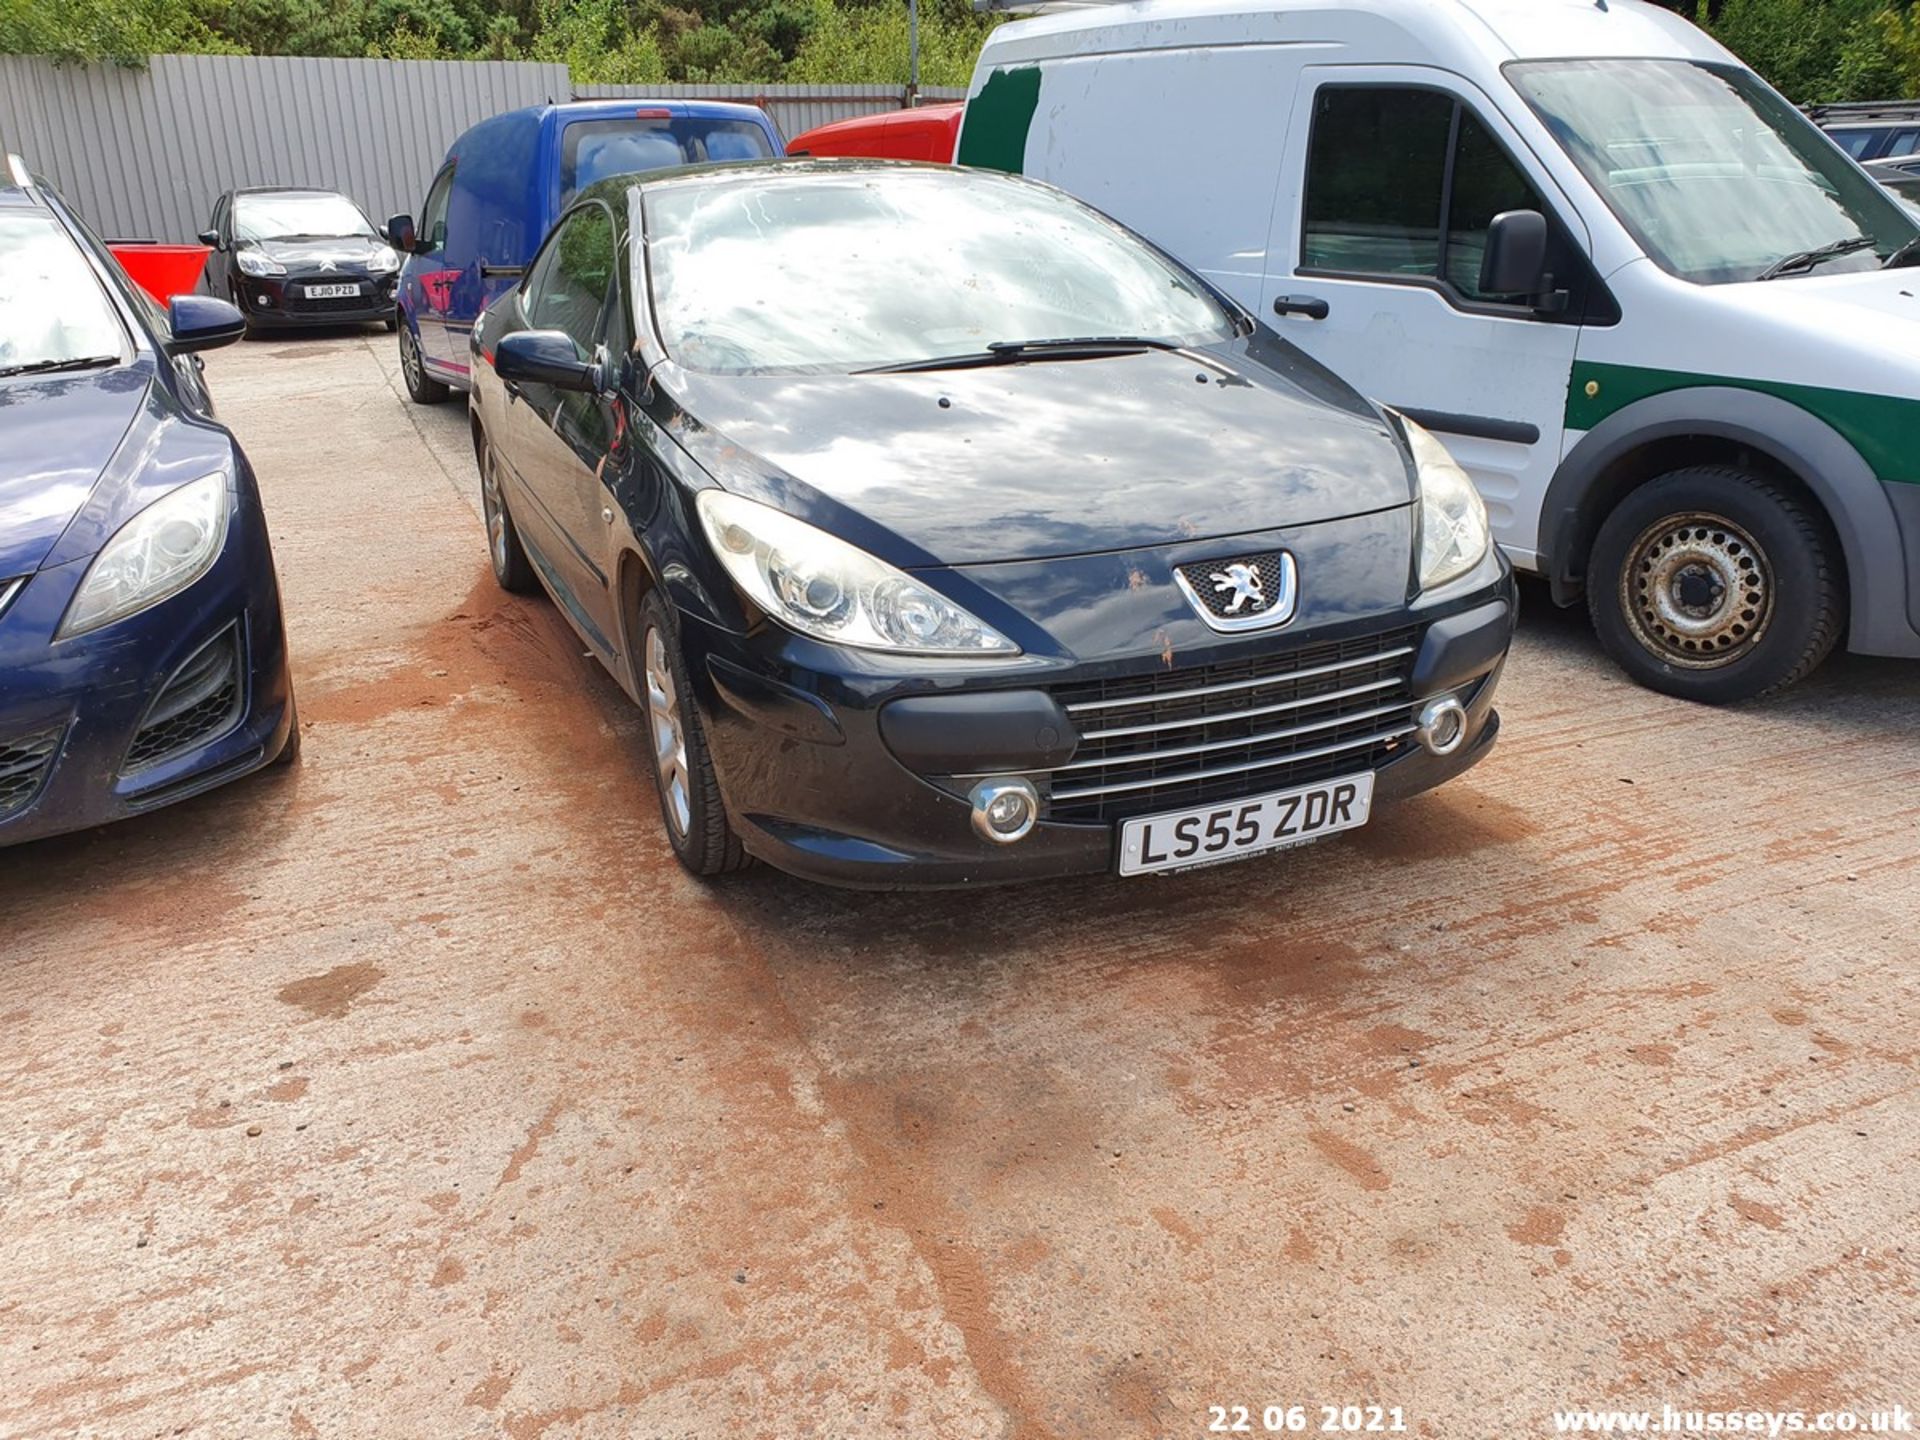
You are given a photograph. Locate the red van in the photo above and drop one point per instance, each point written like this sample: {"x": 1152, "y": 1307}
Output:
{"x": 925, "y": 133}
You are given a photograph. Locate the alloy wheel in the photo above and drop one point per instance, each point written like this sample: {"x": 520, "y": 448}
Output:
{"x": 669, "y": 736}
{"x": 410, "y": 357}
{"x": 496, "y": 511}
{"x": 1697, "y": 591}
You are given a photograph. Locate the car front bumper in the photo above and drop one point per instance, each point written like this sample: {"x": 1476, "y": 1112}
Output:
{"x": 281, "y": 299}
{"x": 166, "y": 703}
{"x": 825, "y": 779}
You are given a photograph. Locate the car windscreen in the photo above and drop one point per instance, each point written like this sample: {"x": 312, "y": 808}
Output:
{"x": 592, "y": 150}
{"x": 1714, "y": 174}
{"x": 53, "y": 312}
{"x": 849, "y": 271}
{"x": 290, "y": 216}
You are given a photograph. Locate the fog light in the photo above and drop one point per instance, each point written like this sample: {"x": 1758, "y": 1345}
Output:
{"x": 263, "y": 300}
{"x": 1443, "y": 725}
{"x": 1004, "y": 810}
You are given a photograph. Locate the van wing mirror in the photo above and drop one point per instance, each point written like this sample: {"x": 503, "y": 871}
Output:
{"x": 1516, "y": 258}
{"x": 545, "y": 357}
{"x": 400, "y": 234}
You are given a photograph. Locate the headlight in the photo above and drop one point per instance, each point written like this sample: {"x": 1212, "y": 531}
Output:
{"x": 159, "y": 552}
{"x": 384, "y": 259}
{"x": 252, "y": 262}
{"x": 1453, "y": 521}
{"x": 826, "y": 588}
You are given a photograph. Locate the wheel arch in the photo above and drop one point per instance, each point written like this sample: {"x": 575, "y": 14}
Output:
{"x": 634, "y": 579}
{"x": 1722, "y": 425}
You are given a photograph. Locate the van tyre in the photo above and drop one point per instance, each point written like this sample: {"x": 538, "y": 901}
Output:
{"x": 511, "y": 568}
{"x": 1716, "y": 584}
{"x": 690, "y": 803}
{"x": 421, "y": 387}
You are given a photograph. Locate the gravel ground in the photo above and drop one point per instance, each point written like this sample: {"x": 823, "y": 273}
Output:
{"x": 418, "y": 1093}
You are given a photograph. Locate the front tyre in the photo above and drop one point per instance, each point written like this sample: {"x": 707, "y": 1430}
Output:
{"x": 1716, "y": 584}
{"x": 690, "y": 803}
{"x": 421, "y": 387}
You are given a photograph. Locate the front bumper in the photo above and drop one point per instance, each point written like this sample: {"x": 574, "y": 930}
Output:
{"x": 282, "y": 299}
{"x": 821, "y": 781}
{"x": 135, "y": 715}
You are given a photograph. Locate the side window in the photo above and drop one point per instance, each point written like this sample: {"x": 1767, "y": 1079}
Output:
{"x": 568, "y": 286}
{"x": 1376, "y": 167}
{"x": 432, "y": 229}
{"x": 1485, "y": 182}
{"x": 1904, "y": 143}
{"x": 1855, "y": 142}
{"x": 1404, "y": 183}
{"x": 219, "y": 222}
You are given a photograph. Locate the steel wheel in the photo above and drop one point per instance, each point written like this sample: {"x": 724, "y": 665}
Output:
{"x": 669, "y": 736}
{"x": 1697, "y": 591}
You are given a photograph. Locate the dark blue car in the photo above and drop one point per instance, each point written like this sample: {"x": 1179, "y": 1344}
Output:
{"x": 142, "y": 655}
{"x": 505, "y": 182}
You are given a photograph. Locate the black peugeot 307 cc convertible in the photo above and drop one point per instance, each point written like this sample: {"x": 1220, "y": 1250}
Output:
{"x": 947, "y": 531}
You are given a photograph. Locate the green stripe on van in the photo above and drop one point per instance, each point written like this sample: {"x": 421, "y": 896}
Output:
{"x": 1884, "y": 429}
{"x": 994, "y": 133}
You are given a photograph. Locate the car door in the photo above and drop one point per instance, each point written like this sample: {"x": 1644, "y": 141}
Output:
{"x": 428, "y": 281}
{"x": 1392, "y": 178}
{"x": 565, "y": 439}
{"x": 219, "y": 264}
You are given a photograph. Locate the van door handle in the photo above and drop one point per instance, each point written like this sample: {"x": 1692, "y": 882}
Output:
{"x": 1311, "y": 306}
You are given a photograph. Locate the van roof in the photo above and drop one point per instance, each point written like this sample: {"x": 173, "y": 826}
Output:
{"x": 1469, "y": 34}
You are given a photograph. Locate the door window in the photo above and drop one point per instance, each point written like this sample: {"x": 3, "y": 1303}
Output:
{"x": 568, "y": 285}
{"x": 431, "y": 233}
{"x": 1403, "y": 183}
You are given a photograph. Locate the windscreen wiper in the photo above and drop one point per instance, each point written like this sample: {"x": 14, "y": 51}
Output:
{"x": 51, "y": 367}
{"x": 1907, "y": 254}
{"x": 1806, "y": 259}
{"x": 1007, "y": 352}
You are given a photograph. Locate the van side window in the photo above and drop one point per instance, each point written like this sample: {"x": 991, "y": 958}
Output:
{"x": 432, "y": 230}
{"x": 568, "y": 286}
{"x": 1384, "y": 166}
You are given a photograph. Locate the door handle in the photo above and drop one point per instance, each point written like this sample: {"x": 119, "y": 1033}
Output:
{"x": 1311, "y": 306}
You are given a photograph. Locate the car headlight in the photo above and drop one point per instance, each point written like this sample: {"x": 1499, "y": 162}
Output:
{"x": 158, "y": 553}
{"x": 826, "y": 588}
{"x": 1453, "y": 520}
{"x": 384, "y": 259}
{"x": 253, "y": 262}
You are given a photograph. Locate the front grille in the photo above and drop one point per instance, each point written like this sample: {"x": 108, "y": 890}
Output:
{"x": 1263, "y": 595}
{"x": 23, "y": 769}
{"x": 202, "y": 700}
{"x": 1185, "y": 737}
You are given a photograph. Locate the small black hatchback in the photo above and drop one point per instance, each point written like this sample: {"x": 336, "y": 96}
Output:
{"x": 949, "y": 532}
{"x": 289, "y": 258}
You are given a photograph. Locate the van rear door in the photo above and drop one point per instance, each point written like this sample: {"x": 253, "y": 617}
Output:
{"x": 1391, "y": 177}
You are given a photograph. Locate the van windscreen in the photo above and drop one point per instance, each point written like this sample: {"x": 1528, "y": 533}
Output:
{"x": 594, "y": 150}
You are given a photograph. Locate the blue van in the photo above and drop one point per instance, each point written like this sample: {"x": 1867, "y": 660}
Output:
{"x": 506, "y": 181}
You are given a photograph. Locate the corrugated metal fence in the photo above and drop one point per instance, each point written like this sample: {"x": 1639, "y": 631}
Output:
{"x": 144, "y": 153}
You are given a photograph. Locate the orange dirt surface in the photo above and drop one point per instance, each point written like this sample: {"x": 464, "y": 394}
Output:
{"x": 416, "y": 1092}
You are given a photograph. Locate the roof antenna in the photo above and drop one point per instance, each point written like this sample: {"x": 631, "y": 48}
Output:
{"x": 1600, "y": 5}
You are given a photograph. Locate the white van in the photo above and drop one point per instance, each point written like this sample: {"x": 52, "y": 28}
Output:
{"x": 1665, "y": 323}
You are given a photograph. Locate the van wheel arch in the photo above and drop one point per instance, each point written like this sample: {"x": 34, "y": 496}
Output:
{"x": 1763, "y": 434}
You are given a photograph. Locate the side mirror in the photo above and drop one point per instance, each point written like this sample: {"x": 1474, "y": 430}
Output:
{"x": 545, "y": 357}
{"x": 209, "y": 238}
{"x": 399, "y": 231}
{"x": 200, "y": 322}
{"x": 1516, "y": 258}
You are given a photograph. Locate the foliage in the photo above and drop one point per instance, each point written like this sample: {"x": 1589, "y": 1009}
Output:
{"x": 1816, "y": 51}
{"x": 1813, "y": 50}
